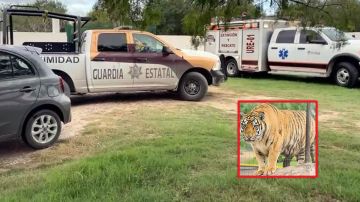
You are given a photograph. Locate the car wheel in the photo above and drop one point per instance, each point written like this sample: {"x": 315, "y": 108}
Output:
{"x": 42, "y": 129}
{"x": 232, "y": 68}
{"x": 346, "y": 75}
{"x": 193, "y": 87}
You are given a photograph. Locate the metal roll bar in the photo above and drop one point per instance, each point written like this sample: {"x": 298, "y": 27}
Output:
{"x": 19, "y": 10}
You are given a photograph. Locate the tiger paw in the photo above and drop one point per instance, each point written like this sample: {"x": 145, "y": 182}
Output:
{"x": 259, "y": 172}
{"x": 269, "y": 170}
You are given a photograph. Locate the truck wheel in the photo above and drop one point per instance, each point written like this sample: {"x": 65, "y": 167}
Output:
{"x": 232, "y": 68}
{"x": 42, "y": 129}
{"x": 193, "y": 87}
{"x": 346, "y": 74}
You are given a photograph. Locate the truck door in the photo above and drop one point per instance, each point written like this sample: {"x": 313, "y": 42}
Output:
{"x": 312, "y": 52}
{"x": 282, "y": 51}
{"x": 229, "y": 42}
{"x": 305, "y": 55}
{"x": 153, "y": 69}
{"x": 110, "y": 63}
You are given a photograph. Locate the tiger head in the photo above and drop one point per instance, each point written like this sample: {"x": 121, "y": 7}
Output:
{"x": 252, "y": 126}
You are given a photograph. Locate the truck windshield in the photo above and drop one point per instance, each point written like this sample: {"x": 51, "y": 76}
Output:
{"x": 334, "y": 34}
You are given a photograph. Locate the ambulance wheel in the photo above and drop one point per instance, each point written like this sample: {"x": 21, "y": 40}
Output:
{"x": 346, "y": 74}
{"x": 232, "y": 68}
{"x": 193, "y": 87}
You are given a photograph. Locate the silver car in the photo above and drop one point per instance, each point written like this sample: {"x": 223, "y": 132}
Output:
{"x": 32, "y": 99}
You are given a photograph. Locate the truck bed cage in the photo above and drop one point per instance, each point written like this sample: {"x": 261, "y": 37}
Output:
{"x": 19, "y": 10}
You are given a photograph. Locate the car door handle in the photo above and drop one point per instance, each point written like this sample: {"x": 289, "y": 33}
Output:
{"x": 301, "y": 48}
{"x": 27, "y": 89}
{"x": 141, "y": 59}
{"x": 99, "y": 59}
{"x": 274, "y": 48}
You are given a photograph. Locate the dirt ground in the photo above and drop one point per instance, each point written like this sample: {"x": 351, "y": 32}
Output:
{"x": 88, "y": 108}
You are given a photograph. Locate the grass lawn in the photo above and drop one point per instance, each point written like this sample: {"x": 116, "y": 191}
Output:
{"x": 188, "y": 153}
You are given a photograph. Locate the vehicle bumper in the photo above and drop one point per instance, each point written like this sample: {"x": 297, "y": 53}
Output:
{"x": 65, "y": 103}
{"x": 217, "y": 77}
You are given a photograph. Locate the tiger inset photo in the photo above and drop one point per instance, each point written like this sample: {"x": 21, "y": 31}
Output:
{"x": 277, "y": 138}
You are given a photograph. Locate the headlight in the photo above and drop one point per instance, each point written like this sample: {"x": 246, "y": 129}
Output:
{"x": 217, "y": 65}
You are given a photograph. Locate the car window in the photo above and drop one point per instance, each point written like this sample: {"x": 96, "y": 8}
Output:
{"x": 112, "y": 42}
{"x": 309, "y": 34}
{"x": 147, "y": 44}
{"x": 12, "y": 66}
{"x": 286, "y": 36}
{"x": 20, "y": 67}
{"x": 5, "y": 66}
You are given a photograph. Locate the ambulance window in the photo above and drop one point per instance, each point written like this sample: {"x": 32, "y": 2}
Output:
{"x": 307, "y": 35}
{"x": 286, "y": 36}
{"x": 147, "y": 44}
{"x": 112, "y": 42}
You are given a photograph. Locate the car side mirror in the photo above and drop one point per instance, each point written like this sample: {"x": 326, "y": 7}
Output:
{"x": 167, "y": 51}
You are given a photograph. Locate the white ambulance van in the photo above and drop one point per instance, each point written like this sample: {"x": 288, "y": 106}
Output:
{"x": 280, "y": 46}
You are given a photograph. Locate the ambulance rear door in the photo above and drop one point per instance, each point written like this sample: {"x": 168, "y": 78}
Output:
{"x": 230, "y": 42}
{"x": 250, "y": 48}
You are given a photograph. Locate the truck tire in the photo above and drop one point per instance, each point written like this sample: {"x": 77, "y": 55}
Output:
{"x": 346, "y": 74}
{"x": 193, "y": 87}
{"x": 42, "y": 129}
{"x": 232, "y": 68}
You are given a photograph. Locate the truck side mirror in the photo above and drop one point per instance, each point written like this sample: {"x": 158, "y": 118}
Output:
{"x": 167, "y": 51}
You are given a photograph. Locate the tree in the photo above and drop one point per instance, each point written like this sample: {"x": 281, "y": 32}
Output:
{"x": 336, "y": 13}
{"x": 124, "y": 12}
{"x": 192, "y": 16}
{"x": 38, "y": 24}
{"x": 171, "y": 16}
{"x": 157, "y": 16}
{"x": 100, "y": 18}
{"x": 163, "y": 16}
{"x": 203, "y": 10}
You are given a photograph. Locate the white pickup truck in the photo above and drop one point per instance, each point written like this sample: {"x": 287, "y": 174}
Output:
{"x": 116, "y": 60}
{"x": 278, "y": 46}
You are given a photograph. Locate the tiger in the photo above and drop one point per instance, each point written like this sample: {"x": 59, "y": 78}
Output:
{"x": 271, "y": 132}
